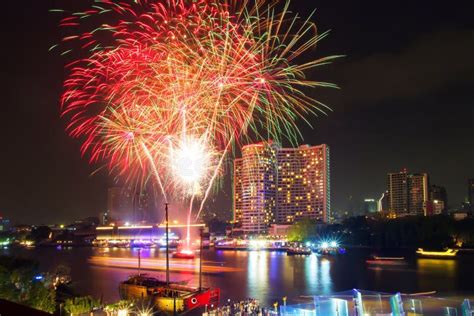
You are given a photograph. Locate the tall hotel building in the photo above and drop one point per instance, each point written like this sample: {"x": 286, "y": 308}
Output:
{"x": 280, "y": 185}
{"x": 408, "y": 193}
{"x": 254, "y": 187}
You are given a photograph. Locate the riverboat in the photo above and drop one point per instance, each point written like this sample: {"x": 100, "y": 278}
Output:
{"x": 168, "y": 297}
{"x": 183, "y": 254}
{"x": 447, "y": 254}
{"x": 376, "y": 260}
{"x": 294, "y": 251}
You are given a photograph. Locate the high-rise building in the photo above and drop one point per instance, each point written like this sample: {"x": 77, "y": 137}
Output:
{"x": 238, "y": 191}
{"x": 470, "y": 193}
{"x": 125, "y": 205}
{"x": 254, "y": 187}
{"x": 398, "y": 192}
{"x": 417, "y": 193}
{"x": 370, "y": 206}
{"x": 280, "y": 185}
{"x": 303, "y": 184}
{"x": 408, "y": 193}
{"x": 119, "y": 204}
{"x": 438, "y": 194}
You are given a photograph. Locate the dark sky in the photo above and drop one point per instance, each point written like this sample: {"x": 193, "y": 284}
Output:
{"x": 406, "y": 100}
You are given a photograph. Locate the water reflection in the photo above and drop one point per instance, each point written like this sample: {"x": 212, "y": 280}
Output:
{"x": 432, "y": 273}
{"x": 267, "y": 276}
{"x": 325, "y": 276}
{"x": 257, "y": 273}
{"x": 311, "y": 277}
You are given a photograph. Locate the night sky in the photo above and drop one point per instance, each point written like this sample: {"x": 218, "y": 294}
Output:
{"x": 406, "y": 101}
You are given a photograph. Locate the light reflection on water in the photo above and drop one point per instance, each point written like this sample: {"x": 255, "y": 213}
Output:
{"x": 432, "y": 272}
{"x": 257, "y": 273}
{"x": 268, "y": 276}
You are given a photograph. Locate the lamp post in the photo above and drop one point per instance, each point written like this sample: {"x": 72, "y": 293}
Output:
{"x": 167, "y": 247}
{"x": 201, "y": 230}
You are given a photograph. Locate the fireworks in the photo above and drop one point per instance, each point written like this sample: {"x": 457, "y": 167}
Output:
{"x": 167, "y": 88}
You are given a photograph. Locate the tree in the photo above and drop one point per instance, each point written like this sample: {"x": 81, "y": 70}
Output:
{"x": 21, "y": 283}
{"x": 80, "y": 305}
{"x": 301, "y": 230}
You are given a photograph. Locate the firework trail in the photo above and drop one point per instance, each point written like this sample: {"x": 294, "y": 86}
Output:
{"x": 169, "y": 88}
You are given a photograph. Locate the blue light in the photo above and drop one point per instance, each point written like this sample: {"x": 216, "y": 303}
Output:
{"x": 39, "y": 277}
{"x": 334, "y": 244}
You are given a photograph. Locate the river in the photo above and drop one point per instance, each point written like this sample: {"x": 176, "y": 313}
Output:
{"x": 267, "y": 276}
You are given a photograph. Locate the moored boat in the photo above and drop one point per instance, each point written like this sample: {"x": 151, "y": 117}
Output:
{"x": 166, "y": 296}
{"x": 172, "y": 297}
{"x": 298, "y": 251}
{"x": 447, "y": 254}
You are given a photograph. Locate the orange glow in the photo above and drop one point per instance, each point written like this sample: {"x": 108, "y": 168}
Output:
{"x": 448, "y": 253}
{"x": 160, "y": 265}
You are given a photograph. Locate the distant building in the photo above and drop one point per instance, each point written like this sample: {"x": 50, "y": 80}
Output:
{"x": 105, "y": 218}
{"x": 5, "y": 224}
{"x": 398, "y": 192}
{"x": 280, "y": 185}
{"x": 417, "y": 193}
{"x": 470, "y": 193}
{"x": 408, "y": 193}
{"x": 370, "y": 206}
{"x": 438, "y": 207}
{"x": 438, "y": 197}
{"x": 125, "y": 205}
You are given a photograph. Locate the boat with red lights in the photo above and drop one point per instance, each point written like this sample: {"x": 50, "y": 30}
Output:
{"x": 376, "y": 260}
{"x": 168, "y": 297}
{"x": 183, "y": 254}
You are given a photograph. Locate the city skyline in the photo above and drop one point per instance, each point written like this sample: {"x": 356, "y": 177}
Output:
{"x": 380, "y": 122}
{"x": 228, "y": 158}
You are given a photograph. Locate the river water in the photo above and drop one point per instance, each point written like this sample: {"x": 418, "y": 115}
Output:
{"x": 268, "y": 276}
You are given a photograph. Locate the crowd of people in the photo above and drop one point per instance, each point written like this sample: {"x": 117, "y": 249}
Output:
{"x": 249, "y": 307}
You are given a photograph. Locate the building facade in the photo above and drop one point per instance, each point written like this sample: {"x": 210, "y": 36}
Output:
{"x": 254, "y": 187}
{"x": 418, "y": 194}
{"x": 125, "y": 205}
{"x": 280, "y": 185}
{"x": 237, "y": 191}
{"x": 398, "y": 192}
{"x": 408, "y": 193}
{"x": 439, "y": 198}
{"x": 303, "y": 184}
{"x": 370, "y": 206}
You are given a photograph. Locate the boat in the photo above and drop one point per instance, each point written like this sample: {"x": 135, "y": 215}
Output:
{"x": 376, "y": 260}
{"x": 329, "y": 248}
{"x": 293, "y": 251}
{"x": 447, "y": 254}
{"x": 168, "y": 297}
{"x": 183, "y": 254}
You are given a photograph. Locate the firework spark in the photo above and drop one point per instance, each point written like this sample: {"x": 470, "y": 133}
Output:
{"x": 168, "y": 88}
